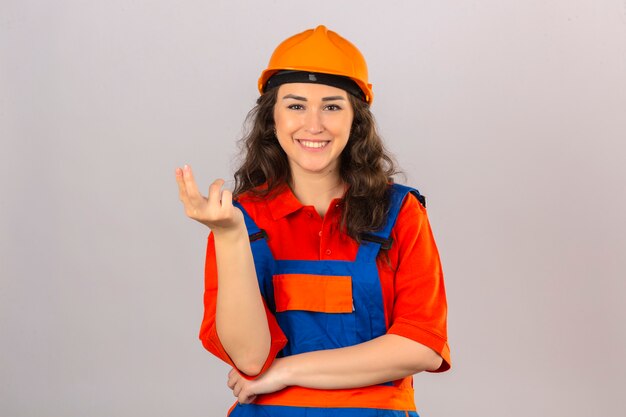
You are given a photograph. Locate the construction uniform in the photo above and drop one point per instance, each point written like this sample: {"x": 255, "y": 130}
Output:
{"x": 322, "y": 290}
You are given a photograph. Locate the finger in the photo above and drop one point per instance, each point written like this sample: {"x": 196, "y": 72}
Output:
{"x": 232, "y": 380}
{"x": 237, "y": 388}
{"x": 182, "y": 189}
{"x": 214, "y": 191}
{"x": 190, "y": 183}
{"x": 227, "y": 198}
{"x": 246, "y": 392}
{"x": 246, "y": 397}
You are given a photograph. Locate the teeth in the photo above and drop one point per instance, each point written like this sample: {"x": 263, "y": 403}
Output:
{"x": 310, "y": 144}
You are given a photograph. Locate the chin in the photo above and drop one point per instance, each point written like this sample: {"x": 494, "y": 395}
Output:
{"x": 318, "y": 169}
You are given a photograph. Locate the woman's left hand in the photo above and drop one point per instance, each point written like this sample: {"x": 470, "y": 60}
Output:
{"x": 246, "y": 390}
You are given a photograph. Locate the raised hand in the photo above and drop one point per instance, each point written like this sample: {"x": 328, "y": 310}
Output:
{"x": 215, "y": 211}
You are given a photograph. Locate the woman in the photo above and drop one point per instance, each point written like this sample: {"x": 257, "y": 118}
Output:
{"x": 330, "y": 292}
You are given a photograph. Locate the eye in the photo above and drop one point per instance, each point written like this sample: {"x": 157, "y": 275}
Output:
{"x": 295, "y": 107}
{"x": 332, "y": 107}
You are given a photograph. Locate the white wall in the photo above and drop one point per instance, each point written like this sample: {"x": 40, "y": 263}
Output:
{"x": 509, "y": 115}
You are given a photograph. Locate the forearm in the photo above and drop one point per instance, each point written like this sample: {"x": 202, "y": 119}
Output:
{"x": 240, "y": 317}
{"x": 386, "y": 358}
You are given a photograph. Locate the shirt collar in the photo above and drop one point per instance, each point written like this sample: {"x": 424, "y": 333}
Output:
{"x": 283, "y": 203}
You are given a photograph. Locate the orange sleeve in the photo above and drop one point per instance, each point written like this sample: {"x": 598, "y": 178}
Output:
{"x": 208, "y": 333}
{"x": 420, "y": 308}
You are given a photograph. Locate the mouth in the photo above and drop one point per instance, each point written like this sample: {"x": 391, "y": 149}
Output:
{"x": 313, "y": 144}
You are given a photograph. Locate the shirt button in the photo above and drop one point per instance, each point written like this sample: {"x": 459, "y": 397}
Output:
{"x": 320, "y": 233}
{"x": 328, "y": 252}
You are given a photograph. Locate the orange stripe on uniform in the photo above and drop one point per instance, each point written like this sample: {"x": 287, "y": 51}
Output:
{"x": 377, "y": 396}
{"x": 319, "y": 293}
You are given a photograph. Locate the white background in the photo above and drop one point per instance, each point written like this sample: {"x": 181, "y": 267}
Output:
{"x": 509, "y": 115}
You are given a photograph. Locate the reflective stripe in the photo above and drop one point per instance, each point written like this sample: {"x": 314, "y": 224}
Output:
{"x": 320, "y": 293}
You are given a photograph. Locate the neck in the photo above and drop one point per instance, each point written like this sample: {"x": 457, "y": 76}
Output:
{"x": 317, "y": 189}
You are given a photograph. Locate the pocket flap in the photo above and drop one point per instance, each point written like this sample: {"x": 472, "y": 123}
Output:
{"x": 320, "y": 293}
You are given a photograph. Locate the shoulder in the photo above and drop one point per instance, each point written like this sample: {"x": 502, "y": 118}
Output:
{"x": 412, "y": 217}
{"x": 412, "y": 203}
{"x": 417, "y": 251}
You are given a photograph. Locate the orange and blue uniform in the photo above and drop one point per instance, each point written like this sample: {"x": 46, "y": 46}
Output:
{"x": 322, "y": 290}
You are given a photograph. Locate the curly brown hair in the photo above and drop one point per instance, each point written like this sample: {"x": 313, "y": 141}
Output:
{"x": 365, "y": 165}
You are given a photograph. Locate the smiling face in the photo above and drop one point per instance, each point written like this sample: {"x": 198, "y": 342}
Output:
{"x": 312, "y": 126}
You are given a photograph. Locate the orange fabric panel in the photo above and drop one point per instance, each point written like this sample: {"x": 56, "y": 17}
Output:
{"x": 377, "y": 396}
{"x": 320, "y": 293}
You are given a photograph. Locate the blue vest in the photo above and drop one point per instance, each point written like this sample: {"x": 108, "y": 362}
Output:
{"x": 357, "y": 315}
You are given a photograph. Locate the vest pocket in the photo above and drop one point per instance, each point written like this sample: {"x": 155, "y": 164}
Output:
{"x": 319, "y": 293}
{"x": 315, "y": 311}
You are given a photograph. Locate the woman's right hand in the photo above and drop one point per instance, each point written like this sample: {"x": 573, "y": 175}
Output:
{"x": 216, "y": 211}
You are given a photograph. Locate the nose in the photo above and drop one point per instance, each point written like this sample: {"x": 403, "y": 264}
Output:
{"x": 313, "y": 122}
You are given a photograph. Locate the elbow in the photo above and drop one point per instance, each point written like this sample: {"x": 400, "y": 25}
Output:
{"x": 250, "y": 368}
{"x": 249, "y": 358}
{"x": 433, "y": 362}
{"x": 250, "y": 364}
{"x": 426, "y": 360}
{"x": 417, "y": 357}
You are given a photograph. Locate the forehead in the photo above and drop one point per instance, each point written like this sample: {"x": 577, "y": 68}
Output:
{"x": 311, "y": 90}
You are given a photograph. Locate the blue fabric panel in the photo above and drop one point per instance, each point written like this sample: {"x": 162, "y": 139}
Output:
{"x": 263, "y": 260}
{"x": 253, "y": 410}
{"x": 250, "y": 225}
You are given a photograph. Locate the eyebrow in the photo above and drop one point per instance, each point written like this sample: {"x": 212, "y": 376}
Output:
{"x": 300, "y": 98}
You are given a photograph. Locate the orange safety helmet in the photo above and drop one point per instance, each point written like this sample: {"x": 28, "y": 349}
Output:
{"x": 323, "y": 51}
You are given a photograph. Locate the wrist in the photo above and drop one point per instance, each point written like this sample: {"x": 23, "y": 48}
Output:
{"x": 237, "y": 233}
{"x": 283, "y": 371}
